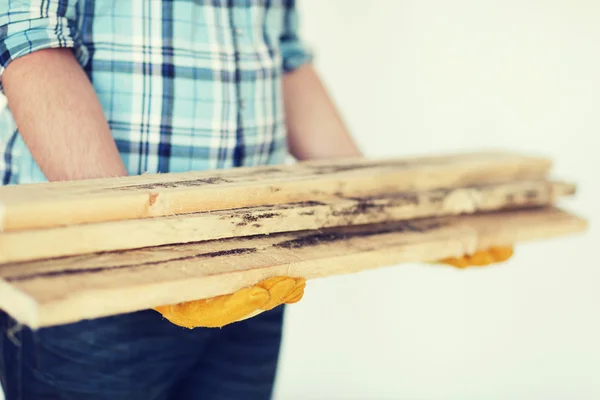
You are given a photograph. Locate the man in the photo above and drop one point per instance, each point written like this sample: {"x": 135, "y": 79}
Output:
{"x": 100, "y": 88}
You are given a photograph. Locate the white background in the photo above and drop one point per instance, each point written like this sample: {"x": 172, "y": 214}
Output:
{"x": 429, "y": 76}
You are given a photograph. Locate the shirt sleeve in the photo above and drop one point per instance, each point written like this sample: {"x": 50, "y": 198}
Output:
{"x": 30, "y": 25}
{"x": 295, "y": 53}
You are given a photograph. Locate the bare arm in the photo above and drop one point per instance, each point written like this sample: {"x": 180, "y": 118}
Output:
{"x": 60, "y": 118}
{"x": 315, "y": 128}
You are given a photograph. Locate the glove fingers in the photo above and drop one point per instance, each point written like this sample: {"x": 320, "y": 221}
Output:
{"x": 297, "y": 293}
{"x": 277, "y": 292}
{"x": 481, "y": 258}
{"x": 282, "y": 289}
{"x": 277, "y": 286}
{"x": 243, "y": 304}
{"x": 502, "y": 253}
{"x": 458, "y": 262}
{"x": 218, "y": 311}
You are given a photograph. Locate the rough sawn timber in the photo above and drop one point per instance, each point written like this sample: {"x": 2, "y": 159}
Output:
{"x": 68, "y": 289}
{"x": 55, "y": 204}
{"x": 194, "y": 227}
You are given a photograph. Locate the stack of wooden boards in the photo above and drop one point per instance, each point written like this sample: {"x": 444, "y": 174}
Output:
{"x": 92, "y": 248}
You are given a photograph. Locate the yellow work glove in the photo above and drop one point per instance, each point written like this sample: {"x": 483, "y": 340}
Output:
{"x": 481, "y": 258}
{"x": 219, "y": 311}
{"x": 248, "y": 302}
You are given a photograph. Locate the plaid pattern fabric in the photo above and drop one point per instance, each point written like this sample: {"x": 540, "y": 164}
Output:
{"x": 184, "y": 84}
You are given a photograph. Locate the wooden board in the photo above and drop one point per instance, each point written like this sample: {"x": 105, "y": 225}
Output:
{"x": 46, "y": 205}
{"x": 130, "y": 234}
{"x": 50, "y": 292}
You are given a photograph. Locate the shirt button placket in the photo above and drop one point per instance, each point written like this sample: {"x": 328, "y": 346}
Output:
{"x": 237, "y": 18}
{"x": 238, "y": 33}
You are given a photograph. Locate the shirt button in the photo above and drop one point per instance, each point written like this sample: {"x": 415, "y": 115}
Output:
{"x": 239, "y": 31}
{"x": 242, "y": 103}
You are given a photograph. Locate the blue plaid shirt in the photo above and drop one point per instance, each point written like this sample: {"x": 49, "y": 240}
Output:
{"x": 184, "y": 84}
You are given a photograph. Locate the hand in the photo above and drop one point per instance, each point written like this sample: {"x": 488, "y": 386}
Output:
{"x": 248, "y": 302}
{"x": 481, "y": 258}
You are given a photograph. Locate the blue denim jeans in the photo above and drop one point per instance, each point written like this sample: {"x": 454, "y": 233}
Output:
{"x": 141, "y": 356}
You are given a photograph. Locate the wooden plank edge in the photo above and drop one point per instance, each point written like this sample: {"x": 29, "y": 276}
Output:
{"x": 21, "y": 305}
{"x": 2, "y": 216}
{"x": 84, "y": 185}
{"x": 147, "y": 201}
{"x": 562, "y": 188}
{"x": 130, "y": 234}
{"x": 472, "y": 234}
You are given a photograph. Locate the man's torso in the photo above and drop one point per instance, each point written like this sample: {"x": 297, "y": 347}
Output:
{"x": 185, "y": 85}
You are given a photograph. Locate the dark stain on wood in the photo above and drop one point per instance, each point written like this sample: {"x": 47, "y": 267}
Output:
{"x": 75, "y": 271}
{"x": 231, "y": 252}
{"x": 307, "y": 213}
{"x": 378, "y": 204}
{"x": 248, "y": 218}
{"x": 335, "y": 235}
{"x": 521, "y": 199}
{"x": 310, "y": 204}
{"x": 362, "y": 207}
{"x": 532, "y": 194}
{"x": 393, "y": 199}
{"x": 300, "y": 241}
{"x": 405, "y": 198}
{"x": 437, "y": 195}
{"x": 215, "y": 180}
{"x": 268, "y": 211}
{"x": 268, "y": 215}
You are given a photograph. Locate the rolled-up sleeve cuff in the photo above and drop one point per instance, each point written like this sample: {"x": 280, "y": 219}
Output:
{"x": 295, "y": 54}
{"x": 20, "y": 38}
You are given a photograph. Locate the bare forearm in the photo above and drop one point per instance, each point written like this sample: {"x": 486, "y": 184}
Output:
{"x": 60, "y": 118}
{"x": 315, "y": 128}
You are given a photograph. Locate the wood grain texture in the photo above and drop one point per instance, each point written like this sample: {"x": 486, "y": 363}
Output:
{"x": 193, "y": 227}
{"x": 55, "y": 204}
{"x": 50, "y": 292}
